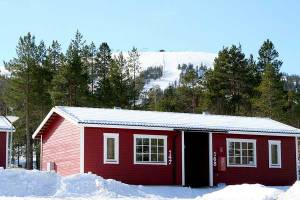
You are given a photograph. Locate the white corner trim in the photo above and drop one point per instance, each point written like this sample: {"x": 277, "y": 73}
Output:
{"x": 7, "y": 154}
{"x": 115, "y": 136}
{"x": 297, "y": 158}
{"x": 183, "y": 159}
{"x": 278, "y": 144}
{"x": 211, "y": 175}
{"x": 164, "y": 137}
{"x": 81, "y": 149}
{"x": 228, "y": 140}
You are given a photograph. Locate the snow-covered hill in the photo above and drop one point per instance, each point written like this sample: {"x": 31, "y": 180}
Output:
{"x": 170, "y": 62}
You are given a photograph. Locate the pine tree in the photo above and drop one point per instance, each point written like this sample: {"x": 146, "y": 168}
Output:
{"x": 70, "y": 84}
{"x": 230, "y": 84}
{"x": 103, "y": 63}
{"x": 25, "y": 93}
{"x": 134, "y": 69}
{"x": 270, "y": 103}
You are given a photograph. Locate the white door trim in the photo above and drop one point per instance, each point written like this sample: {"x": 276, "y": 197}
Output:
{"x": 183, "y": 159}
{"x": 210, "y": 146}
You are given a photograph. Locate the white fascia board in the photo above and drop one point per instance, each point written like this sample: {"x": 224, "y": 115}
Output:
{"x": 127, "y": 127}
{"x": 264, "y": 133}
{"x": 59, "y": 112}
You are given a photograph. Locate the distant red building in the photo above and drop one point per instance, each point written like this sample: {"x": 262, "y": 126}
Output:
{"x": 5, "y": 129}
{"x": 160, "y": 148}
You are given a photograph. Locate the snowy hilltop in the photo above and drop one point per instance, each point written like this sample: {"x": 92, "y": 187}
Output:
{"x": 170, "y": 61}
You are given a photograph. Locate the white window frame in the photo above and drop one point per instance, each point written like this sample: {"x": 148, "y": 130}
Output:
{"x": 116, "y": 138}
{"x": 253, "y": 141}
{"x": 164, "y": 137}
{"x": 278, "y": 143}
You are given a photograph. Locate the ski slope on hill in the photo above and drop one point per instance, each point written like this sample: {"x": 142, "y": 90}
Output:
{"x": 170, "y": 61}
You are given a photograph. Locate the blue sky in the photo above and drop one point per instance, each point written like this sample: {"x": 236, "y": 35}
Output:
{"x": 172, "y": 25}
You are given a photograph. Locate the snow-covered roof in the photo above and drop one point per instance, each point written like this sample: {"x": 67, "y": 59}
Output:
{"x": 182, "y": 121}
{"x": 5, "y": 125}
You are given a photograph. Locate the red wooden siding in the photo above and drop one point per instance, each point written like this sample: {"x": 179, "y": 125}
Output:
{"x": 3, "y": 149}
{"x": 286, "y": 175}
{"x": 126, "y": 171}
{"x": 61, "y": 144}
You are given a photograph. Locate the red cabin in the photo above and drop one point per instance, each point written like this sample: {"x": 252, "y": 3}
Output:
{"x": 162, "y": 148}
{"x": 6, "y": 129}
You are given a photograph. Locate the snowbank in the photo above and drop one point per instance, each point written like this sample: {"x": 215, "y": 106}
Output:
{"x": 16, "y": 184}
{"x": 244, "y": 192}
{"x": 21, "y": 183}
{"x": 293, "y": 193}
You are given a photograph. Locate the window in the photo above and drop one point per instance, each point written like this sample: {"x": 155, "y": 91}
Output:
{"x": 241, "y": 153}
{"x": 274, "y": 154}
{"x": 111, "y": 148}
{"x": 150, "y": 149}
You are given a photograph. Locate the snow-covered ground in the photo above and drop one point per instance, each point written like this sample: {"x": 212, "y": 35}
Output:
{"x": 17, "y": 184}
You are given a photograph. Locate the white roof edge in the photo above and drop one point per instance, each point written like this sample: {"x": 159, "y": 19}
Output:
{"x": 9, "y": 128}
{"x": 60, "y": 110}
{"x": 57, "y": 110}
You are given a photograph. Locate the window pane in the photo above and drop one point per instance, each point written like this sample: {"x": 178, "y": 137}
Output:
{"x": 154, "y": 142}
{"x": 153, "y": 149}
{"x": 161, "y": 157}
{"x": 250, "y": 153}
{"x": 230, "y": 152}
{"x": 244, "y": 145}
{"x": 139, "y": 141}
{"x": 244, "y": 152}
{"x": 160, "y": 142}
{"x": 139, "y": 157}
{"x": 139, "y": 149}
{"x": 145, "y": 141}
{"x": 231, "y": 160}
{"x": 160, "y": 150}
{"x": 110, "y": 148}
{"x": 237, "y": 145}
{"x": 238, "y": 160}
{"x": 146, "y": 157}
{"x": 244, "y": 160}
{"x": 154, "y": 157}
{"x": 237, "y": 152}
{"x": 274, "y": 154}
{"x": 250, "y": 145}
{"x": 145, "y": 149}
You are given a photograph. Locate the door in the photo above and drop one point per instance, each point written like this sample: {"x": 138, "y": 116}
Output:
{"x": 196, "y": 159}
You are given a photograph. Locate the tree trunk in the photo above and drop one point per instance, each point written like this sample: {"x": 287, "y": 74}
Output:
{"x": 29, "y": 156}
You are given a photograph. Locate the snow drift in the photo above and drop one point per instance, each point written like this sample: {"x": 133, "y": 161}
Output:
{"x": 37, "y": 185}
{"x": 245, "y": 192}
{"x": 293, "y": 193}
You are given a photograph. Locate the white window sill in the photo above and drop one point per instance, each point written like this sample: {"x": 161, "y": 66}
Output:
{"x": 149, "y": 163}
{"x": 250, "y": 166}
